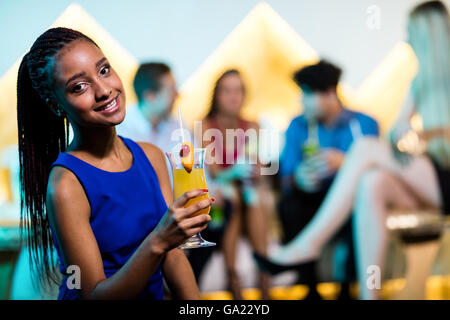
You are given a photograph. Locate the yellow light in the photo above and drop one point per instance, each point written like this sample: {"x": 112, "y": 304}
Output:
{"x": 5, "y": 189}
{"x": 383, "y": 92}
{"x": 267, "y": 51}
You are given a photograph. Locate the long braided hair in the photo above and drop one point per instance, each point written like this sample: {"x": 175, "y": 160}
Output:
{"x": 43, "y": 133}
{"x": 429, "y": 36}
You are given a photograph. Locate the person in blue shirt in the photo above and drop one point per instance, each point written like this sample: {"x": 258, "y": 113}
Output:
{"x": 326, "y": 125}
{"x": 315, "y": 146}
{"x": 316, "y": 142}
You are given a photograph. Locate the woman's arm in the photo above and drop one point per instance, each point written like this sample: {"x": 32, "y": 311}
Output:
{"x": 179, "y": 276}
{"x": 400, "y": 127}
{"x": 403, "y": 118}
{"x": 69, "y": 212}
{"x": 176, "y": 267}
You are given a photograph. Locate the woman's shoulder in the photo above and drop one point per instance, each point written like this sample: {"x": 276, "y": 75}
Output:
{"x": 61, "y": 180}
{"x": 157, "y": 160}
{"x": 154, "y": 154}
{"x": 150, "y": 148}
{"x": 151, "y": 151}
{"x": 64, "y": 188}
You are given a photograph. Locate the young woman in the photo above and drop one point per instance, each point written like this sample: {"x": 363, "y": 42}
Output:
{"x": 239, "y": 182}
{"x": 373, "y": 179}
{"x": 103, "y": 201}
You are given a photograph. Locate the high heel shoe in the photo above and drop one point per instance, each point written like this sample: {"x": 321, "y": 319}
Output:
{"x": 275, "y": 268}
{"x": 306, "y": 272}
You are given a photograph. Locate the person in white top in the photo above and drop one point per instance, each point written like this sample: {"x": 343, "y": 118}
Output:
{"x": 150, "y": 119}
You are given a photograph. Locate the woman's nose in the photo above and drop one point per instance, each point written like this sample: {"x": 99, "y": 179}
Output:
{"x": 103, "y": 91}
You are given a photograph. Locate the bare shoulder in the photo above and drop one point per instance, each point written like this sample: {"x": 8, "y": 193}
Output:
{"x": 65, "y": 192}
{"x": 62, "y": 182}
{"x": 158, "y": 161}
{"x": 153, "y": 153}
{"x": 156, "y": 158}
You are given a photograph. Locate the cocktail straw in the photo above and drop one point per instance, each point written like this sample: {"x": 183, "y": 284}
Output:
{"x": 181, "y": 124}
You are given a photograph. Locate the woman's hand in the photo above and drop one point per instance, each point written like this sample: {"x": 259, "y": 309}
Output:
{"x": 394, "y": 136}
{"x": 177, "y": 225}
{"x": 400, "y": 127}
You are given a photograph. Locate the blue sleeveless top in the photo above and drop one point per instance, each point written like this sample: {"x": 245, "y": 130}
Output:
{"x": 125, "y": 207}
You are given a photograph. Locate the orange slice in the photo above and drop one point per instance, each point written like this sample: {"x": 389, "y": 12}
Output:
{"x": 187, "y": 156}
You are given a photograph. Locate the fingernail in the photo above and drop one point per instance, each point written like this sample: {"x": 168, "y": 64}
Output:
{"x": 205, "y": 190}
{"x": 213, "y": 199}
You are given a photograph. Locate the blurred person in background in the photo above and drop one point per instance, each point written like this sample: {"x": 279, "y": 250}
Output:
{"x": 376, "y": 175}
{"x": 315, "y": 147}
{"x": 315, "y": 144}
{"x": 150, "y": 120}
{"x": 239, "y": 180}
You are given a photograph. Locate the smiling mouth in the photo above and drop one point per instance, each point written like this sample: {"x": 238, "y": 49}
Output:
{"x": 110, "y": 106}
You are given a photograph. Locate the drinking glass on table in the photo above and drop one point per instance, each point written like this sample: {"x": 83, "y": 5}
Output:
{"x": 184, "y": 181}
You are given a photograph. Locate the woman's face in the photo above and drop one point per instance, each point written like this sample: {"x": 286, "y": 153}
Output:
{"x": 230, "y": 94}
{"x": 86, "y": 86}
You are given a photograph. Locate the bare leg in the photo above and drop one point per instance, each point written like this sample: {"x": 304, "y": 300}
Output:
{"x": 229, "y": 248}
{"x": 367, "y": 153}
{"x": 256, "y": 223}
{"x": 377, "y": 191}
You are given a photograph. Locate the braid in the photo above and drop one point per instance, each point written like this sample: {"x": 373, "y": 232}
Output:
{"x": 42, "y": 136}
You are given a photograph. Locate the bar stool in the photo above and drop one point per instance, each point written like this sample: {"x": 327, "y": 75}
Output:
{"x": 420, "y": 232}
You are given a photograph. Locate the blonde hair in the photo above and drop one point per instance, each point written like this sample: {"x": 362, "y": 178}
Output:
{"x": 429, "y": 36}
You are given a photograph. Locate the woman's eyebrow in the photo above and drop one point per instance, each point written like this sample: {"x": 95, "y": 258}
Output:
{"x": 99, "y": 62}
{"x": 81, "y": 74}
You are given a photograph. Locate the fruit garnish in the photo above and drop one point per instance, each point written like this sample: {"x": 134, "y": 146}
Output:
{"x": 185, "y": 150}
{"x": 187, "y": 156}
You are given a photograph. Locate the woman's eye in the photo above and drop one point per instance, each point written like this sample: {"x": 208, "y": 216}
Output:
{"x": 105, "y": 70}
{"x": 78, "y": 87}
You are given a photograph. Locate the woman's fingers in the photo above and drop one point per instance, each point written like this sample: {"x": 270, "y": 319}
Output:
{"x": 191, "y": 226}
{"x": 196, "y": 230}
{"x": 196, "y": 222}
{"x": 203, "y": 204}
{"x": 182, "y": 214}
{"x": 181, "y": 201}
